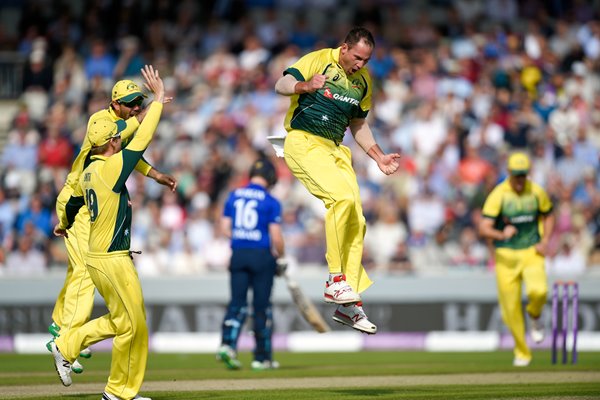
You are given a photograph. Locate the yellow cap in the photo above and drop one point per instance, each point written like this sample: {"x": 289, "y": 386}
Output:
{"x": 126, "y": 91}
{"x": 518, "y": 164}
{"x": 103, "y": 129}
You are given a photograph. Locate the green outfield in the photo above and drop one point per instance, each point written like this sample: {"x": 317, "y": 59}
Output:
{"x": 365, "y": 375}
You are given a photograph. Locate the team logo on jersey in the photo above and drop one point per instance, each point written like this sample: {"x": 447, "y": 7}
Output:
{"x": 327, "y": 93}
{"x": 356, "y": 84}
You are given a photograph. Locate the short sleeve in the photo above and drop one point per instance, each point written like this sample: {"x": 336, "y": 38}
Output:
{"x": 307, "y": 66}
{"x": 493, "y": 204}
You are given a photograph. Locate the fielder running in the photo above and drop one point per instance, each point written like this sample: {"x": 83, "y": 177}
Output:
{"x": 517, "y": 216}
{"x": 102, "y": 188}
{"x": 74, "y": 303}
{"x": 331, "y": 91}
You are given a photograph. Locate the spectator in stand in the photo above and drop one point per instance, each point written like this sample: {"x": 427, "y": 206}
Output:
{"x": 468, "y": 253}
{"x": 130, "y": 61}
{"x": 38, "y": 73}
{"x": 35, "y": 213}
{"x": 55, "y": 150}
{"x": 569, "y": 262}
{"x": 70, "y": 82}
{"x": 20, "y": 152}
{"x": 25, "y": 259}
{"x": 100, "y": 63}
{"x": 385, "y": 234}
{"x": 472, "y": 170}
{"x": 8, "y": 216}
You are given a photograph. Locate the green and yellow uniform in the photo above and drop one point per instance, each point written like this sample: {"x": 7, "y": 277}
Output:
{"x": 316, "y": 124}
{"x": 516, "y": 258}
{"x": 74, "y": 303}
{"x": 102, "y": 188}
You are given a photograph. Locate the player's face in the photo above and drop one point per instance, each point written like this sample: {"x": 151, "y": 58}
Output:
{"x": 128, "y": 110}
{"x": 354, "y": 58}
{"x": 116, "y": 143}
{"x": 518, "y": 182}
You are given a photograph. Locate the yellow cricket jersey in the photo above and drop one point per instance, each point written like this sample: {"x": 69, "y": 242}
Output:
{"x": 507, "y": 207}
{"x": 328, "y": 111}
{"x": 102, "y": 188}
{"x": 83, "y": 158}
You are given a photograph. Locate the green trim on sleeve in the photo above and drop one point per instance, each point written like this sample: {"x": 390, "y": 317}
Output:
{"x": 295, "y": 73}
{"x": 130, "y": 160}
{"x": 72, "y": 208}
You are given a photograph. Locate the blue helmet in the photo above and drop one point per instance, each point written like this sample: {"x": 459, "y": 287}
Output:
{"x": 263, "y": 168}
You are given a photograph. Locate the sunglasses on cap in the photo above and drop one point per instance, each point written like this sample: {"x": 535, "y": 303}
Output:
{"x": 136, "y": 102}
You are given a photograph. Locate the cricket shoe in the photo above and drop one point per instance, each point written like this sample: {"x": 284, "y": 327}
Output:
{"x": 354, "y": 316}
{"x": 339, "y": 291}
{"x": 537, "y": 330}
{"x": 75, "y": 367}
{"x": 229, "y": 357}
{"x": 264, "y": 365}
{"x": 521, "y": 362}
{"x": 86, "y": 353}
{"x": 108, "y": 396}
{"x": 54, "y": 330}
{"x": 63, "y": 367}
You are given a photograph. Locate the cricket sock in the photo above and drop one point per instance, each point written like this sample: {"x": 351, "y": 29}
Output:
{"x": 338, "y": 275}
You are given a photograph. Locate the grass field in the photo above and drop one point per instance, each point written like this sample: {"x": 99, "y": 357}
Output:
{"x": 365, "y": 375}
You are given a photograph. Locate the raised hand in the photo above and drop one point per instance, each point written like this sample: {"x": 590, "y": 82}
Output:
{"x": 154, "y": 83}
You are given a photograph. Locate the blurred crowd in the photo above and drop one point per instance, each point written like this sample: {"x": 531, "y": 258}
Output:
{"x": 458, "y": 85}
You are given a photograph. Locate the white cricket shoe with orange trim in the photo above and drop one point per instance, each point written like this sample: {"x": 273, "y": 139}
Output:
{"x": 354, "y": 316}
{"x": 339, "y": 291}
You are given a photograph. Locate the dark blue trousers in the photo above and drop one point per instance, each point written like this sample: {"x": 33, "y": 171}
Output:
{"x": 251, "y": 269}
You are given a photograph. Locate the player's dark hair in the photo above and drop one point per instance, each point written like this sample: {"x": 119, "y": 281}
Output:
{"x": 263, "y": 168}
{"x": 357, "y": 34}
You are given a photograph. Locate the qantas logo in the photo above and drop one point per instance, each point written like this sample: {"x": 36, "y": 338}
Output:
{"x": 345, "y": 99}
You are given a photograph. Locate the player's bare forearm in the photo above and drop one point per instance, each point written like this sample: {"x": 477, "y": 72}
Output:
{"x": 287, "y": 85}
{"x": 387, "y": 163}
{"x": 163, "y": 179}
{"x": 542, "y": 246}
{"x": 487, "y": 230}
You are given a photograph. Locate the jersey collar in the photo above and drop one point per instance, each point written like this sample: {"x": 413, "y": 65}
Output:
{"x": 335, "y": 53}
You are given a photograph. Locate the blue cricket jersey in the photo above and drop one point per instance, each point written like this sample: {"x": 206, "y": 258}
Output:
{"x": 251, "y": 210}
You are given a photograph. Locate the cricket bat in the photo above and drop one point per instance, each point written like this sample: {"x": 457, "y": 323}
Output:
{"x": 305, "y": 306}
